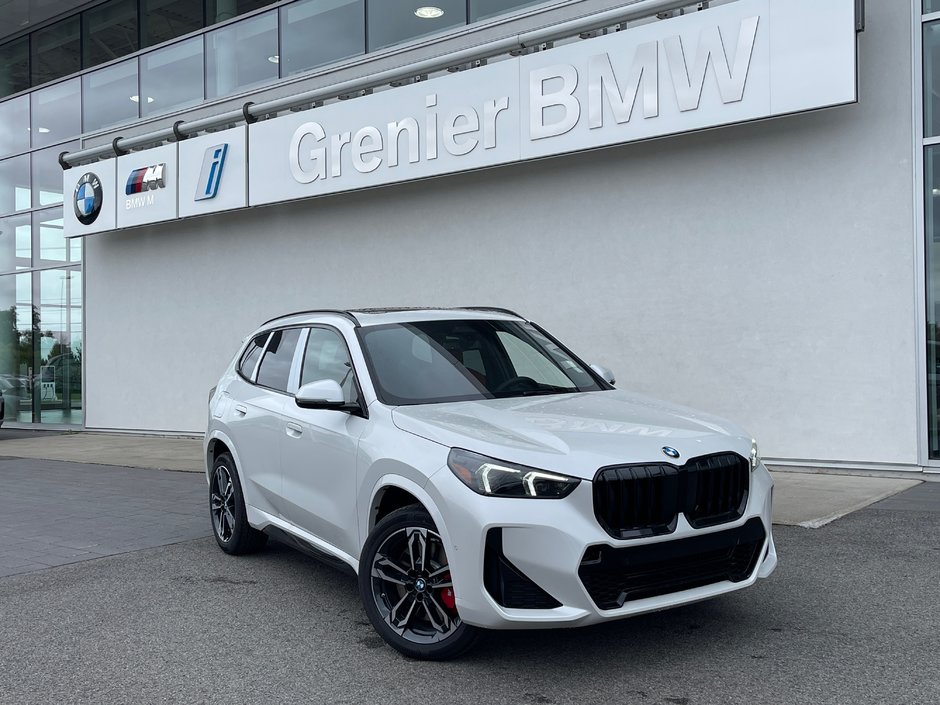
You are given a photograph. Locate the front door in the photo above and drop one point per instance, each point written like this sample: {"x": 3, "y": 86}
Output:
{"x": 319, "y": 449}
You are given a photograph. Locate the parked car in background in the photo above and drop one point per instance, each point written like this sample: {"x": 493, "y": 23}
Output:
{"x": 476, "y": 474}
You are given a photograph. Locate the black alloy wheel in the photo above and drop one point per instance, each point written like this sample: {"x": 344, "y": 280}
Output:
{"x": 227, "y": 510}
{"x": 406, "y": 589}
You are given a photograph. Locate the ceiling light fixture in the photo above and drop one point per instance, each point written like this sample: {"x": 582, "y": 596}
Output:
{"x": 274, "y": 59}
{"x": 429, "y": 12}
{"x": 40, "y": 130}
{"x": 136, "y": 98}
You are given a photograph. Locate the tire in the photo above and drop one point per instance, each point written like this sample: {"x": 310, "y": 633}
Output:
{"x": 412, "y": 609}
{"x": 227, "y": 512}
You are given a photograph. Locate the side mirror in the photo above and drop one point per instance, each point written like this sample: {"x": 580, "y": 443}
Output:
{"x": 322, "y": 394}
{"x": 604, "y": 374}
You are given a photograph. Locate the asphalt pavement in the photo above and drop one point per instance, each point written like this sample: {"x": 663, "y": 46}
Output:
{"x": 850, "y": 616}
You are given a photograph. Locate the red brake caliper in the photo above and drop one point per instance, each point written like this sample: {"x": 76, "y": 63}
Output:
{"x": 447, "y": 596}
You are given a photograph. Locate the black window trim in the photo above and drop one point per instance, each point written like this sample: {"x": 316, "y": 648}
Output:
{"x": 241, "y": 358}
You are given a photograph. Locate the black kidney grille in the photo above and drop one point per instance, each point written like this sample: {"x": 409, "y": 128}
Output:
{"x": 633, "y": 501}
{"x": 614, "y": 576}
{"x": 720, "y": 486}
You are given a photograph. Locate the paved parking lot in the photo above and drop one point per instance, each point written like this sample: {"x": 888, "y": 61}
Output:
{"x": 851, "y": 616}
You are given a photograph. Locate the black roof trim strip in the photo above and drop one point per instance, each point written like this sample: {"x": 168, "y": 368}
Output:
{"x": 337, "y": 312}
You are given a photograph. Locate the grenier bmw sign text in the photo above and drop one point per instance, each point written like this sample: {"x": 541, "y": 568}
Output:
{"x": 742, "y": 61}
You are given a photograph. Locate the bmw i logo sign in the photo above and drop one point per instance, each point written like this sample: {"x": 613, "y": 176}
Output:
{"x": 671, "y": 452}
{"x": 87, "y": 198}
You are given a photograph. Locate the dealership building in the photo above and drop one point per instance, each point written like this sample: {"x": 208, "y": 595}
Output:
{"x": 731, "y": 204}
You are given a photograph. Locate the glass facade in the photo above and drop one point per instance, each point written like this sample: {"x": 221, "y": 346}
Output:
{"x": 395, "y": 21}
{"x": 931, "y": 93}
{"x": 40, "y": 271}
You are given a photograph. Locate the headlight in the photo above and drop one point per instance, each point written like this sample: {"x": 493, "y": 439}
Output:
{"x": 497, "y": 478}
{"x": 755, "y": 455}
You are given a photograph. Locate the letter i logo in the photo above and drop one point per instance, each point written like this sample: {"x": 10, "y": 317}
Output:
{"x": 211, "y": 174}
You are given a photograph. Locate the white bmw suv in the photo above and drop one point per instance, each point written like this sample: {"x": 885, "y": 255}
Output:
{"x": 475, "y": 474}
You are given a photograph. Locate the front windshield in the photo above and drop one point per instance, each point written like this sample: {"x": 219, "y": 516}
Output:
{"x": 438, "y": 361}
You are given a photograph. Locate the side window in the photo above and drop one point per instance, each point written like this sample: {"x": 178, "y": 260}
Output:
{"x": 275, "y": 365}
{"x": 326, "y": 357}
{"x": 252, "y": 353}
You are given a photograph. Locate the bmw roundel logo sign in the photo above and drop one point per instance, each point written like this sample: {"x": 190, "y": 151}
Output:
{"x": 671, "y": 452}
{"x": 87, "y": 198}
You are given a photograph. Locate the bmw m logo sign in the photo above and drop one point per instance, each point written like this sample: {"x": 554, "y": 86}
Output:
{"x": 147, "y": 179}
{"x": 87, "y": 198}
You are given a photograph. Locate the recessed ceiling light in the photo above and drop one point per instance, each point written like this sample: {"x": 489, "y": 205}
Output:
{"x": 136, "y": 98}
{"x": 429, "y": 12}
{"x": 274, "y": 59}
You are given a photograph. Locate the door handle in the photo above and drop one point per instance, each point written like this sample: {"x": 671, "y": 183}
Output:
{"x": 294, "y": 430}
{"x": 241, "y": 409}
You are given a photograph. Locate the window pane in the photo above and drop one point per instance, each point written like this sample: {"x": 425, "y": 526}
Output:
{"x": 56, "y": 51}
{"x": 60, "y": 346}
{"x": 110, "y": 96}
{"x": 52, "y": 246}
{"x": 56, "y": 113}
{"x": 221, "y": 10}
{"x": 14, "y": 125}
{"x": 47, "y": 174}
{"x": 252, "y": 353}
{"x": 483, "y": 9}
{"x": 171, "y": 78}
{"x": 241, "y": 55}
{"x": 275, "y": 365}
{"x": 394, "y": 21}
{"x": 110, "y": 32}
{"x": 162, "y": 20}
{"x": 932, "y": 231}
{"x": 16, "y": 244}
{"x": 326, "y": 357}
{"x": 931, "y": 6}
{"x": 318, "y": 32}
{"x": 16, "y": 345}
{"x": 14, "y": 184}
{"x": 14, "y": 66}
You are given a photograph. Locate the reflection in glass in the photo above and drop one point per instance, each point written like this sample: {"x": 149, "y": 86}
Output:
{"x": 932, "y": 231}
{"x": 242, "y": 54}
{"x": 15, "y": 243}
{"x": 47, "y": 174}
{"x": 395, "y": 21}
{"x": 56, "y": 113}
{"x": 14, "y": 184}
{"x": 171, "y": 78}
{"x": 60, "y": 346}
{"x": 52, "y": 246}
{"x": 110, "y": 96}
{"x": 56, "y": 50}
{"x": 222, "y": 10}
{"x": 162, "y": 20}
{"x": 318, "y": 32}
{"x": 110, "y": 32}
{"x": 14, "y": 125}
{"x": 484, "y": 9}
{"x": 932, "y": 79}
{"x": 931, "y": 6}
{"x": 18, "y": 324}
{"x": 14, "y": 66}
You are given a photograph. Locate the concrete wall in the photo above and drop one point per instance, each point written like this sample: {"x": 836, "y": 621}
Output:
{"x": 764, "y": 272}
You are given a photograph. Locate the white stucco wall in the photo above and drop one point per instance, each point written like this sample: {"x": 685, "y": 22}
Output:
{"x": 764, "y": 272}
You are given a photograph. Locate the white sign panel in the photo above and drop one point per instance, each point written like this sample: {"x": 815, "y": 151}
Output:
{"x": 90, "y": 206}
{"x": 425, "y": 129}
{"x": 212, "y": 174}
{"x": 146, "y": 186}
{"x": 746, "y": 60}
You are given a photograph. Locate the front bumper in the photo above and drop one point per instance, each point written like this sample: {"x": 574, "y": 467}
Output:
{"x": 547, "y": 541}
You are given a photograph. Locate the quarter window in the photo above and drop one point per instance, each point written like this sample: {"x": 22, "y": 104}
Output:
{"x": 274, "y": 371}
{"x": 250, "y": 359}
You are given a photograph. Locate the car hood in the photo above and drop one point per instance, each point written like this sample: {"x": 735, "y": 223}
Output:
{"x": 573, "y": 433}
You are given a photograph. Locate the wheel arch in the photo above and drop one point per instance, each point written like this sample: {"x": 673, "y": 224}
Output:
{"x": 217, "y": 443}
{"x": 396, "y": 489}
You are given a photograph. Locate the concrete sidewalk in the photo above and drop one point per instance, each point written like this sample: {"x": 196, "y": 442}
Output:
{"x": 810, "y": 500}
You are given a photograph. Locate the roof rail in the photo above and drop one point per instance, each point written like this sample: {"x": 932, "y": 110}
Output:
{"x": 337, "y": 312}
{"x": 492, "y": 308}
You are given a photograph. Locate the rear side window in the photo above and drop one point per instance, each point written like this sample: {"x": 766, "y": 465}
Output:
{"x": 275, "y": 365}
{"x": 252, "y": 353}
